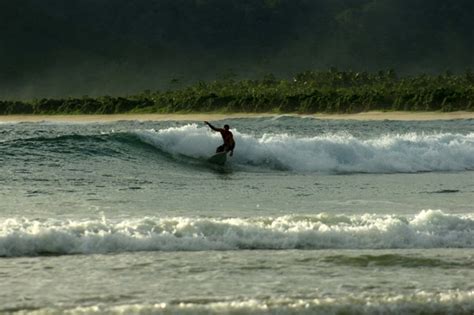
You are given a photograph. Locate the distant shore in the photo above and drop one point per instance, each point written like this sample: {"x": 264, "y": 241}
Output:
{"x": 373, "y": 115}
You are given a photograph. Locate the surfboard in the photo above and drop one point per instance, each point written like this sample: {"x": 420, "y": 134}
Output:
{"x": 218, "y": 158}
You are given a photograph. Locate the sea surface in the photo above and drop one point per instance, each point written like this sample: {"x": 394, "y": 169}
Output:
{"x": 309, "y": 216}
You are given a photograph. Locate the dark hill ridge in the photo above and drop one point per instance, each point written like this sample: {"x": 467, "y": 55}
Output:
{"x": 57, "y": 48}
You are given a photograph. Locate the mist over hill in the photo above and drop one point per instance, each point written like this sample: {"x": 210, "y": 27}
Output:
{"x": 58, "y": 48}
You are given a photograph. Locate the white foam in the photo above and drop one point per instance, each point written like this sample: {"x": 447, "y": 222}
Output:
{"x": 428, "y": 229}
{"x": 189, "y": 140}
{"x": 390, "y": 153}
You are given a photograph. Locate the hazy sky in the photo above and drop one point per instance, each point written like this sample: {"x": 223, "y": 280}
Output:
{"x": 52, "y": 48}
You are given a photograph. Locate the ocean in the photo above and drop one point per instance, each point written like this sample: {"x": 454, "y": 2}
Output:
{"x": 310, "y": 216}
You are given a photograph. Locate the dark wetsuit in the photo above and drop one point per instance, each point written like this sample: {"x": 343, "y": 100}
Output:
{"x": 228, "y": 137}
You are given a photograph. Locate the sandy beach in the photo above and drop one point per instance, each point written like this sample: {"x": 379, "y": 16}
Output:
{"x": 213, "y": 116}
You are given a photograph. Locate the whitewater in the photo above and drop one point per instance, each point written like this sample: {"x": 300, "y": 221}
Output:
{"x": 309, "y": 216}
{"x": 338, "y": 153}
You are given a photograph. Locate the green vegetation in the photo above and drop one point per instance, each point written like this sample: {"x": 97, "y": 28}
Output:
{"x": 308, "y": 92}
{"x": 58, "y": 48}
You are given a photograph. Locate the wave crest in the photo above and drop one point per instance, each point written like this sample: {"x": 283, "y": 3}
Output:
{"x": 338, "y": 153}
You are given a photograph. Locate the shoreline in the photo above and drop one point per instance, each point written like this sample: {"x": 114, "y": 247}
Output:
{"x": 373, "y": 115}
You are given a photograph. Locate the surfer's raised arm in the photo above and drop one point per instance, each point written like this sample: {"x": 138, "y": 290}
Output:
{"x": 212, "y": 127}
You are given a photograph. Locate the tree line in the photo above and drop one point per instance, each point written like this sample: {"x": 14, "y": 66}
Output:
{"x": 58, "y": 48}
{"x": 330, "y": 91}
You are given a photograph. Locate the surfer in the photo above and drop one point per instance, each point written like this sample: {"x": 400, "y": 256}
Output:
{"x": 228, "y": 138}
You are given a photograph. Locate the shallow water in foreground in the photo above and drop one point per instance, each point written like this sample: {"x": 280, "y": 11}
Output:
{"x": 246, "y": 281}
{"x": 308, "y": 216}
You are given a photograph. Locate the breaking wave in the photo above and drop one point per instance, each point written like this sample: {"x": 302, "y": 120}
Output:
{"x": 326, "y": 153}
{"x": 428, "y": 229}
{"x": 333, "y": 153}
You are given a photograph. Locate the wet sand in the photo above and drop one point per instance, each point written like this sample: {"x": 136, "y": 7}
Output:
{"x": 213, "y": 116}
